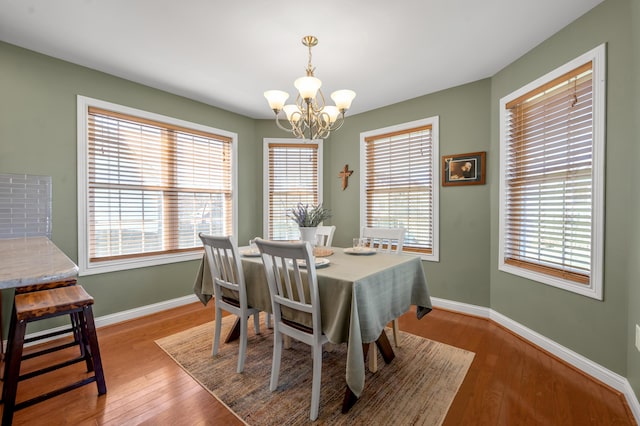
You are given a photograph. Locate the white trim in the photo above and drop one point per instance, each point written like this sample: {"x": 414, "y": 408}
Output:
{"x": 145, "y": 310}
{"x": 594, "y": 290}
{"x": 630, "y": 396}
{"x": 464, "y": 308}
{"x": 435, "y": 167}
{"x": 593, "y": 369}
{"x": 133, "y": 263}
{"x": 85, "y": 266}
{"x": 582, "y": 363}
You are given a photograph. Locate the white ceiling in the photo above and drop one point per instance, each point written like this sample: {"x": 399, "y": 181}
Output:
{"x": 226, "y": 54}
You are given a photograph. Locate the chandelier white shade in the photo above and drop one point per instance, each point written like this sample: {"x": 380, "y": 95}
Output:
{"x": 309, "y": 117}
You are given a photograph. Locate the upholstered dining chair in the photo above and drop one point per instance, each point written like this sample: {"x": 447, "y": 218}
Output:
{"x": 297, "y": 293}
{"x": 326, "y": 232}
{"x": 226, "y": 273}
{"x": 389, "y": 240}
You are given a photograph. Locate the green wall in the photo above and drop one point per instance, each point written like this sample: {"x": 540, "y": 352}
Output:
{"x": 462, "y": 274}
{"x": 596, "y": 329}
{"x": 633, "y": 356}
{"x": 38, "y": 136}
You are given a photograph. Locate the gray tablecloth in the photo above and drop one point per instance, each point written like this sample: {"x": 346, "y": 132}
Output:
{"x": 359, "y": 296}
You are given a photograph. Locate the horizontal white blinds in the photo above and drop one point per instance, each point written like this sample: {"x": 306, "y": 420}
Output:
{"x": 153, "y": 187}
{"x": 293, "y": 179}
{"x": 399, "y": 185}
{"x": 549, "y": 178}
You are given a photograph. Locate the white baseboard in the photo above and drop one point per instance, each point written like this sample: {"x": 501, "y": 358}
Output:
{"x": 580, "y": 362}
{"x": 144, "y": 310}
{"x": 632, "y": 401}
{"x": 464, "y": 308}
{"x": 123, "y": 315}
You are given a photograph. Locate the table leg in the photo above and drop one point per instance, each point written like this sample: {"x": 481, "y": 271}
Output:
{"x": 386, "y": 350}
{"x": 373, "y": 358}
{"x": 234, "y": 333}
{"x": 388, "y": 355}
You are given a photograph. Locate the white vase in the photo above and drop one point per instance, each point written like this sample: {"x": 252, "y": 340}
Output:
{"x": 308, "y": 233}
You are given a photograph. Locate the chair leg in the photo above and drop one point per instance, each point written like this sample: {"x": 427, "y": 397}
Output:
{"x": 256, "y": 322}
{"x": 244, "y": 326}
{"x": 317, "y": 378}
{"x": 268, "y": 320}
{"x": 218, "y": 330}
{"x": 275, "y": 364}
{"x": 396, "y": 333}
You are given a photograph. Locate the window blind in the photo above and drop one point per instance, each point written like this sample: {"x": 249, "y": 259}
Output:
{"x": 293, "y": 179}
{"x": 548, "y": 176}
{"x": 399, "y": 185}
{"x": 153, "y": 187}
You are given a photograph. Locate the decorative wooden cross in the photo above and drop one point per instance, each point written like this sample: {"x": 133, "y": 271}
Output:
{"x": 344, "y": 174}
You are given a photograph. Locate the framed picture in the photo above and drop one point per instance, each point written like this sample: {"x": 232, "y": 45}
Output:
{"x": 463, "y": 169}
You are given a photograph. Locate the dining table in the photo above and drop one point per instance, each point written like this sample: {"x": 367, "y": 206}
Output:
{"x": 360, "y": 293}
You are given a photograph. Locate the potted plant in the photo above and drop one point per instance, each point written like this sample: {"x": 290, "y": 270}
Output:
{"x": 308, "y": 218}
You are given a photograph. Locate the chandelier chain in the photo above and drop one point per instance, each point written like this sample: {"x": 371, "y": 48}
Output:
{"x": 310, "y": 68}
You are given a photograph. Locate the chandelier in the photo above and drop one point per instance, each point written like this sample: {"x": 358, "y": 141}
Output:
{"x": 309, "y": 117}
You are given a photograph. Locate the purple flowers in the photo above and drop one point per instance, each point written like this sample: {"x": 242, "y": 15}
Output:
{"x": 309, "y": 217}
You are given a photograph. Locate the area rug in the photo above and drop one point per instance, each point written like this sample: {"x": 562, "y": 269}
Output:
{"x": 416, "y": 388}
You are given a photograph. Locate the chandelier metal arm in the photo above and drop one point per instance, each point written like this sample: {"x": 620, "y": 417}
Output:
{"x": 316, "y": 104}
{"x": 338, "y": 123}
{"x": 309, "y": 124}
{"x": 280, "y": 125}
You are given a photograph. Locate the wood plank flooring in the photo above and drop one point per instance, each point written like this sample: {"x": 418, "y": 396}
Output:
{"x": 510, "y": 382}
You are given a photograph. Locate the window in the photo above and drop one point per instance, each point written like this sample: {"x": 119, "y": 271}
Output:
{"x": 399, "y": 184}
{"x": 293, "y": 174}
{"x": 147, "y": 186}
{"x": 552, "y": 177}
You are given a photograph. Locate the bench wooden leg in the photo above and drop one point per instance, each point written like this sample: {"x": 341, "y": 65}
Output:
{"x": 95, "y": 350}
{"x": 10, "y": 338}
{"x": 12, "y": 373}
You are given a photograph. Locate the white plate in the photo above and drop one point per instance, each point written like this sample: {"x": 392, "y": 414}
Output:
{"x": 250, "y": 252}
{"x": 320, "y": 262}
{"x": 365, "y": 251}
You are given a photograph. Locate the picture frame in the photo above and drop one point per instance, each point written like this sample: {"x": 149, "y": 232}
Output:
{"x": 464, "y": 169}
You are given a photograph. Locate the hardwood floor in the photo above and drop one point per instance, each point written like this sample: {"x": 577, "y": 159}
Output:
{"x": 510, "y": 382}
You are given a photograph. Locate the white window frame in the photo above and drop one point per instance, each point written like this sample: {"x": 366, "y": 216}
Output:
{"x": 89, "y": 268}
{"x": 265, "y": 173}
{"x": 434, "y": 121}
{"x": 594, "y": 288}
